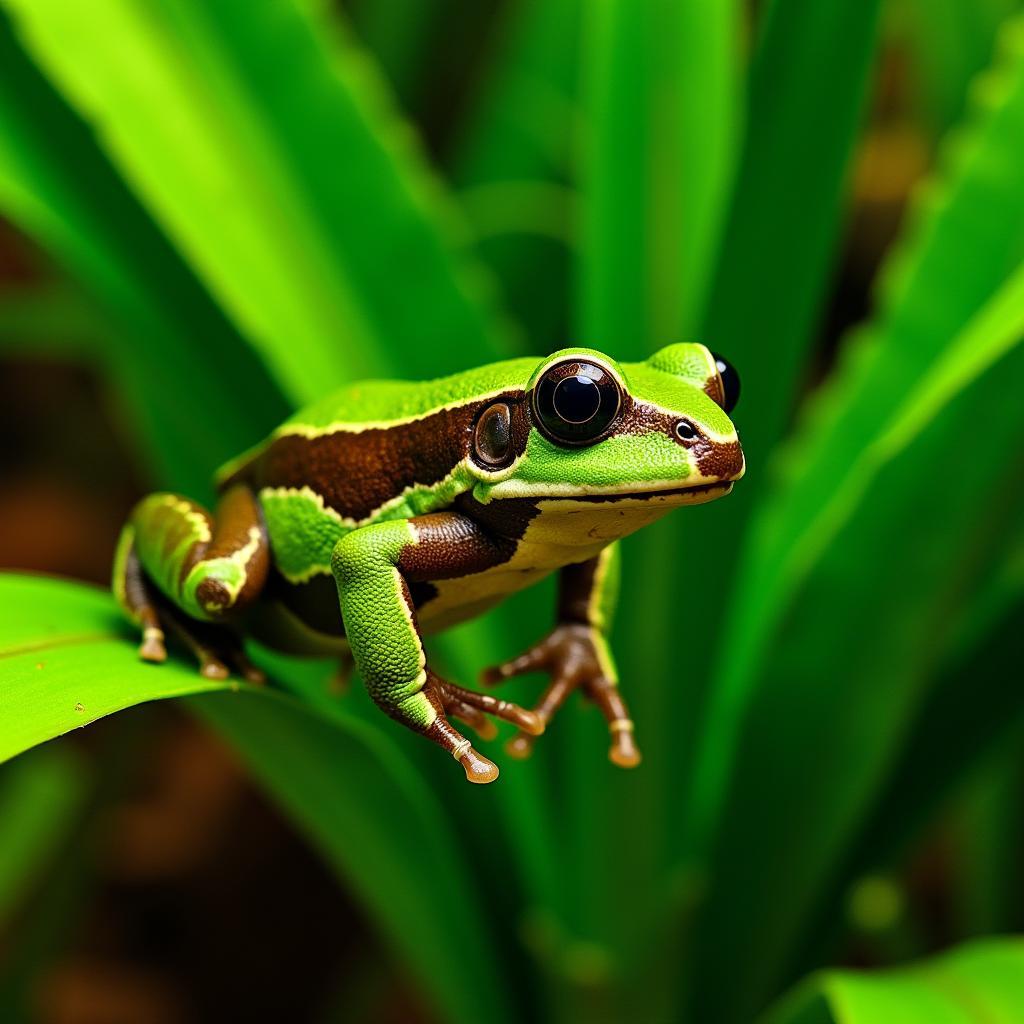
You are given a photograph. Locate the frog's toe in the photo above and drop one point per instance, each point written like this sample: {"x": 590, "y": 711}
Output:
{"x": 523, "y": 718}
{"x": 479, "y": 769}
{"x": 211, "y": 667}
{"x": 536, "y": 659}
{"x": 473, "y": 717}
{"x": 152, "y": 647}
{"x": 520, "y": 746}
{"x": 623, "y": 750}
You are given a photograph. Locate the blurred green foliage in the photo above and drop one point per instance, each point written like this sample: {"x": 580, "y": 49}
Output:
{"x": 245, "y": 221}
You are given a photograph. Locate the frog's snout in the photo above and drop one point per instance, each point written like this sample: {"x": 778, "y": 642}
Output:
{"x": 721, "y": 460}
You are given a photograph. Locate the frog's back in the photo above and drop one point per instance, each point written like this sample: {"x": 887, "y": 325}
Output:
{"x": 388, "y": 403}
{"x": 372, "y": 451}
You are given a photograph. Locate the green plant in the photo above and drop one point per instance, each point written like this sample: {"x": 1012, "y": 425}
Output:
{"x": 231, "y": 231}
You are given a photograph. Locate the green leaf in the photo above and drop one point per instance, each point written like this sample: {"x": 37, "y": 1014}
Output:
{"x": 661, "y": 129}
{"x": 60, "y": 188}
{"x": 805, "y": 96}
{"x": 837, "y": 686}
{"x": 815, "y": 674}
{"x": 54, "y": 319}
{"x": 67, "y": 661}
{"x": 889, "y": 382}
{"x": 657, "y": 163}
{"x": 296, "y": 204}
{"x": 39, "y": 798}
{"x": 513, "y": 163}
{"x": 950, "y": 41}
{"x": 980, "y": 981}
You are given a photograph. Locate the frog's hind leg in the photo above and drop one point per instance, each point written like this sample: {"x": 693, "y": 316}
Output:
{"x": 182, "y": 571}
{"x": 135, "y": 596}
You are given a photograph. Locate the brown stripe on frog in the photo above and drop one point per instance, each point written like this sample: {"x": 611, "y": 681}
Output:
{"x": 356, "y": 472}
{"x": 722, "y": 460}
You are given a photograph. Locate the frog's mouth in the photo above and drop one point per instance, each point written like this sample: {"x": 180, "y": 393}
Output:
{"x": 693, "y": 495}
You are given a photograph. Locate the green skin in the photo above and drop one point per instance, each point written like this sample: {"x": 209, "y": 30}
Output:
{"x": 425, "y": 504}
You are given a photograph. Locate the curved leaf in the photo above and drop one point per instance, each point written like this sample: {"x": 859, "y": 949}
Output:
{"x": 172, "y": 348}
{"x": 296, "y": 201}
{"x": 65, "y": 660}
{"x": 980, "y": 981}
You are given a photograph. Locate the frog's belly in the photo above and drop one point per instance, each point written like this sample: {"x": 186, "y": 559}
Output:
{"x": 306, "y": 617}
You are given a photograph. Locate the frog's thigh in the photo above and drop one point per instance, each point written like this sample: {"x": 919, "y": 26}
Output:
{"x": 208, "y": 566}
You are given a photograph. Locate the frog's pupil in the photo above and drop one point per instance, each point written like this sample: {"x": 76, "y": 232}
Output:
{"x": 577, "y": 399}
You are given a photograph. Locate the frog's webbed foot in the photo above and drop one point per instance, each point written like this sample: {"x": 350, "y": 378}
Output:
{"x": 575, "y": 660}
{"x": 217, "y": 648}
{"x": 472, "y": 708}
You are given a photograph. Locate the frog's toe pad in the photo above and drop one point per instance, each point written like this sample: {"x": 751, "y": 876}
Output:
{"x": 152, "y": 647}
{"x": 623, "y": 751}
{"x": 520, "y": 746}
{"x": 478, "y": 769}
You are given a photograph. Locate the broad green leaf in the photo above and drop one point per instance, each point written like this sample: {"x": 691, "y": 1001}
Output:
{"x": 172, "y": 347}
{"x": 281, "y": 172}
{"x": 39, "y": 797}
{"x": 980, "y": 981}
{"x": 66, "y": 660}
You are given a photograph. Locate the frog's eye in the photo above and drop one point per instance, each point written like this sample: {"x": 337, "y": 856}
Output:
{"x": 730, "y": 382}
{"x": 492, "y": 438}
{"x": 576, "y": 402}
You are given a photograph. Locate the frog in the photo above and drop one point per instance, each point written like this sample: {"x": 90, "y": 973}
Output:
{"x": 392, "y": 510}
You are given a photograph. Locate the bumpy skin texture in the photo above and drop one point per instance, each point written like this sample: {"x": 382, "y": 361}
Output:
{"x": 419, "y": 505}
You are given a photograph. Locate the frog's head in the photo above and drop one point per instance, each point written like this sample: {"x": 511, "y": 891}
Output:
{"x": 589, "y": 429}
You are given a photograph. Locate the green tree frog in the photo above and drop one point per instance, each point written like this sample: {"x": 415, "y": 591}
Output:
{"x": 421, "y": 505}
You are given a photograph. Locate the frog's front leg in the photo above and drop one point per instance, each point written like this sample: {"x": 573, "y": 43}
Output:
{"x": 373, "y": 567}
{"x": 576, "y": 655}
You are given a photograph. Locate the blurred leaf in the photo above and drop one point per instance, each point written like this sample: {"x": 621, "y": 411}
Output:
{"x": 657, "y": 164}
{"x": 837, "y": 686}
{"x": 398, "y": 33}
{"x": 988, "y": 836}
{"x": 818, "y": 542}
{"x": 889, "y": 382}
{"x": 67, "y": 662}
{"x": 39, "y": 797}
{"x": 53, "y": 319}
{"x": 805, "y": 97}
{"x": 661, "y": 129}
{"x": 974, "y": 709}
{"x": 980, "y": 981}
{"x": 297, "y": 204}
{"x": 512, "y": 163}
{"x": 172, "y": 347}
{"x": 950, "y": 41}
{"x": 805, "y": 94}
